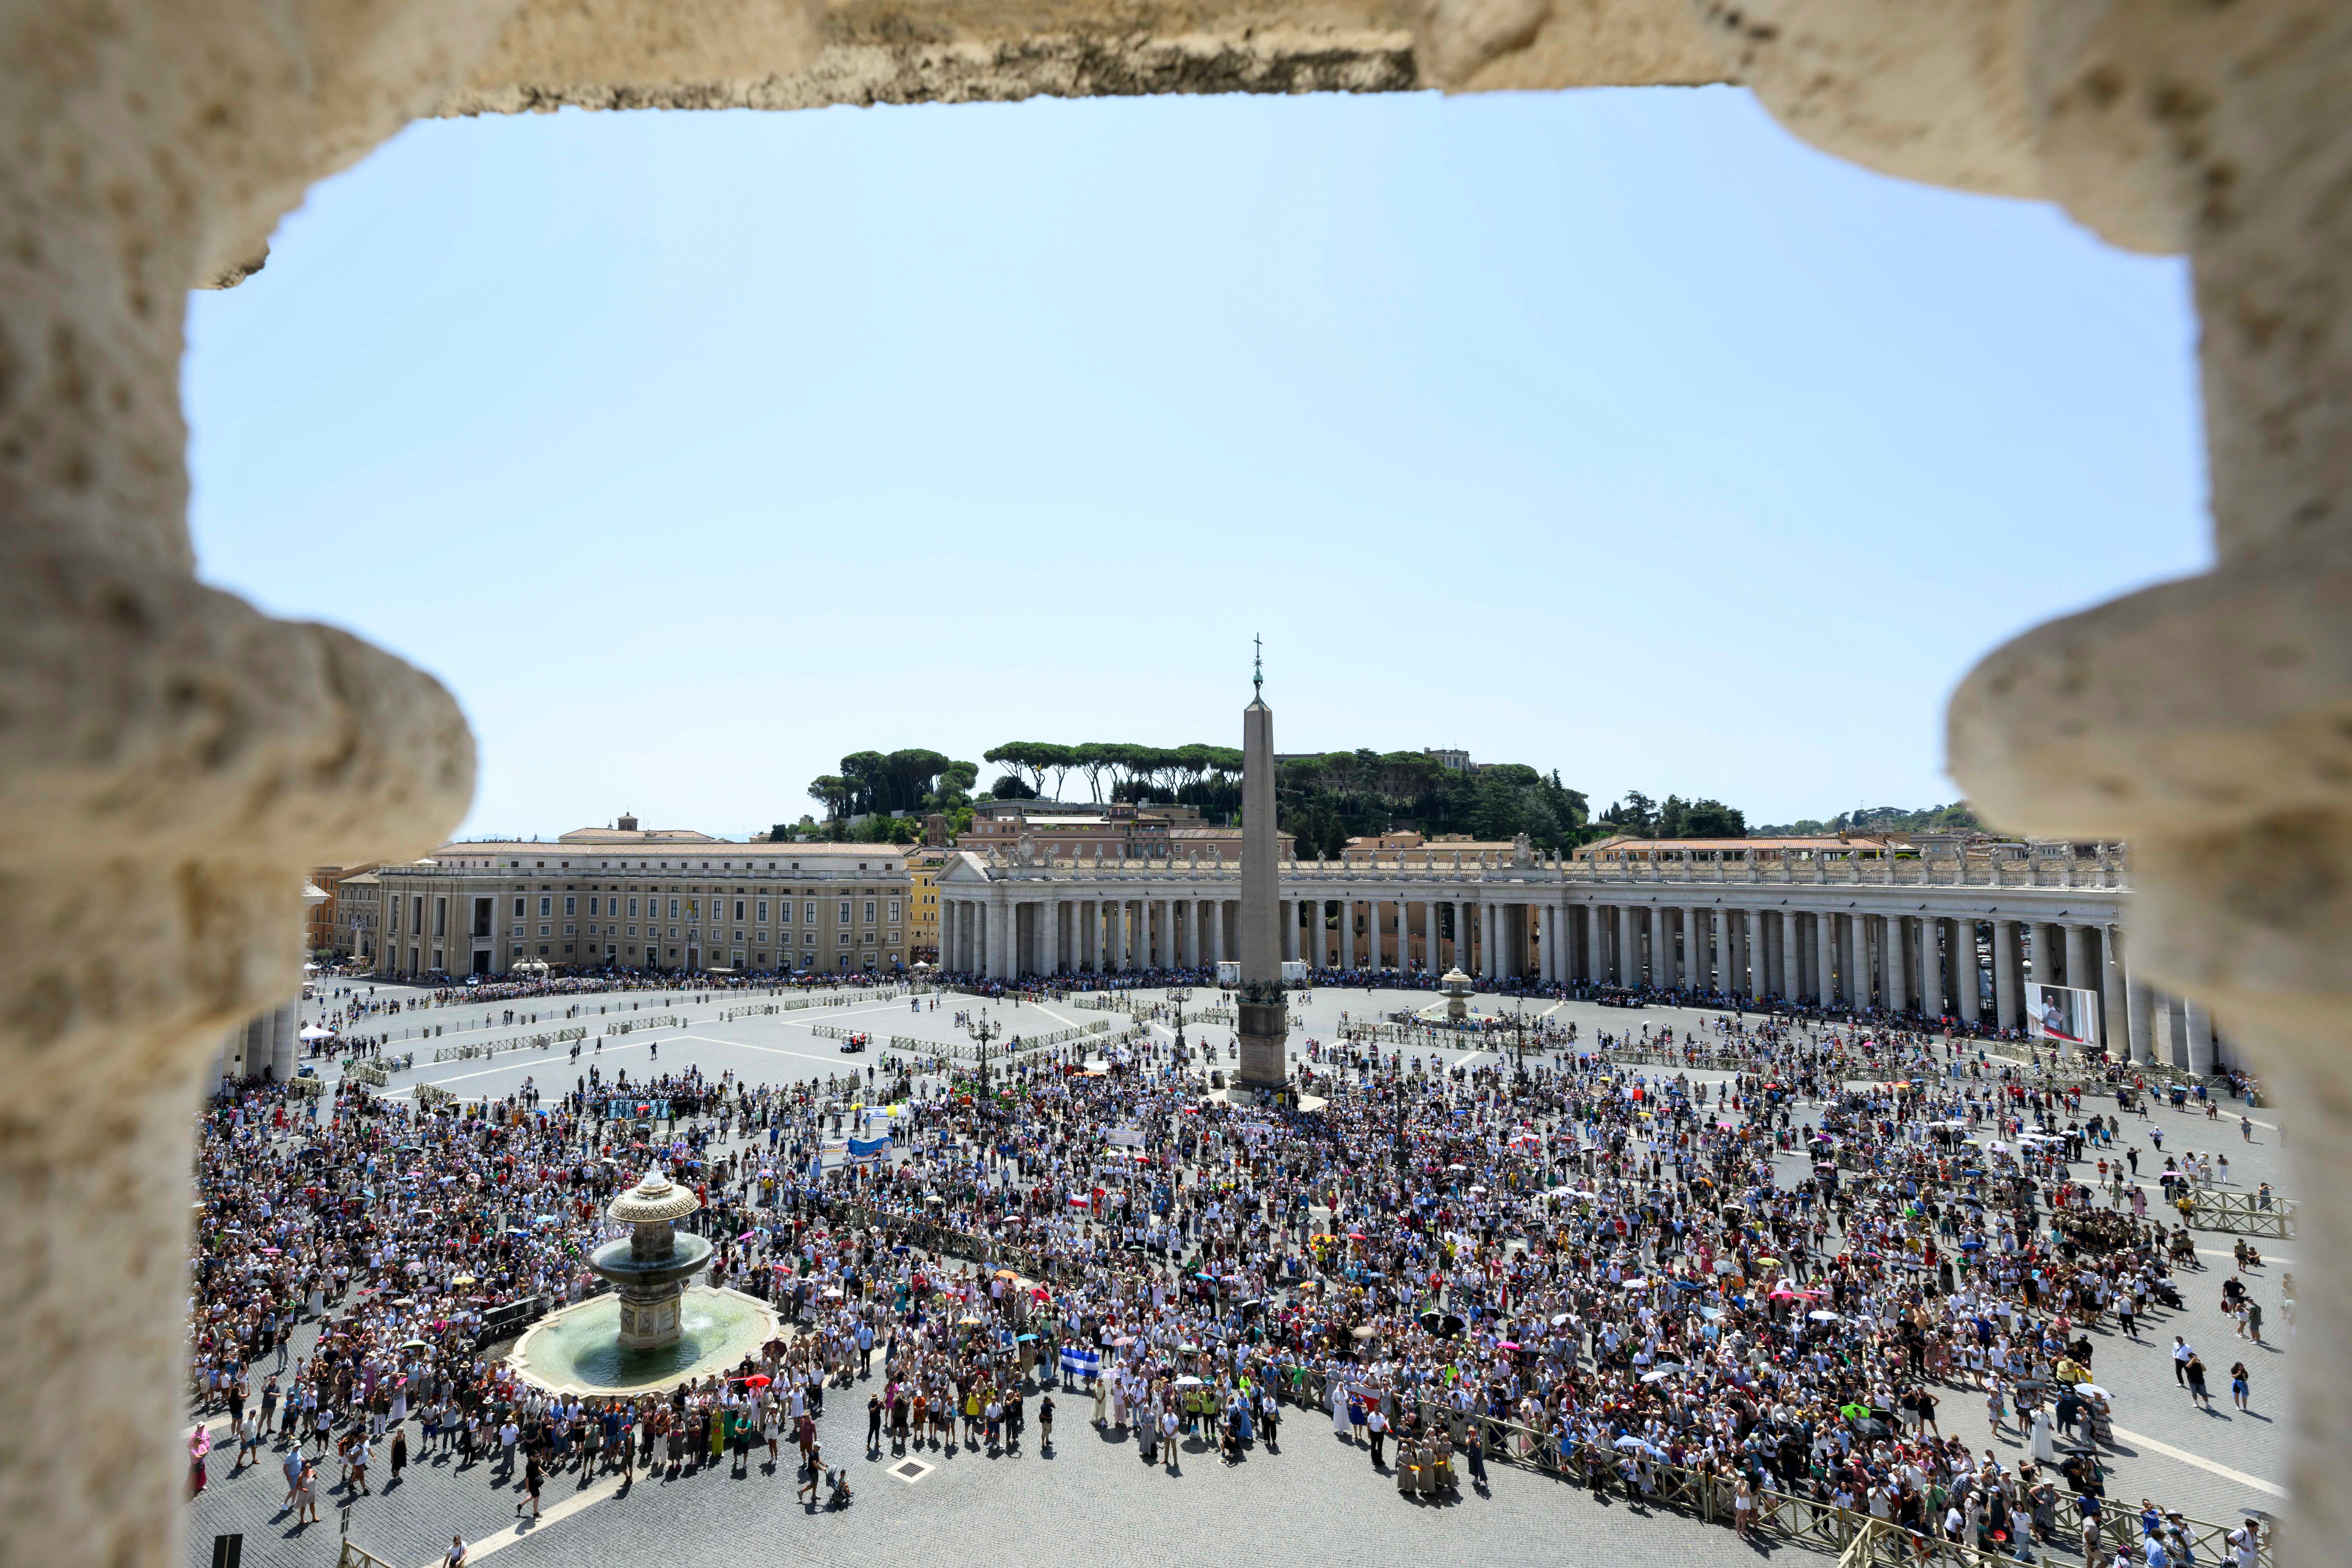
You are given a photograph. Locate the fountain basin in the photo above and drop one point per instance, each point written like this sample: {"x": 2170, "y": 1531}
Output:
{"x": 579, "y": 1350}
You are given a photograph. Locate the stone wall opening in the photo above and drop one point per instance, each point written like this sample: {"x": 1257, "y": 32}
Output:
{"x": 172, "y": 759}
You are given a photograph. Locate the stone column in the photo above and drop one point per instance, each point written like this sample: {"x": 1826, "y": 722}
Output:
{"x": 2078, "y": 958}
{"x": 2197, "y": 1030}
{"x": 1931, "y": 966}
{"x": 1968, "y": 971}
{"x": 1898, "y": 985}
{"x": 2114, "y": 1010}
{"x": 2140, "y": 1010}
{"x": 1825, "y": 955}
{"x": 2007, "y": 997}
{"x": 1404, "y": 939}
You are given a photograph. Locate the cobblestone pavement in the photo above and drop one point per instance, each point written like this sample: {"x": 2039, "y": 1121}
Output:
{"x": 1089, "y": 1501}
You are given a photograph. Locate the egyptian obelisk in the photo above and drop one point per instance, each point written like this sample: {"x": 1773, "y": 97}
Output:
{"x": 1265, "y": 1064}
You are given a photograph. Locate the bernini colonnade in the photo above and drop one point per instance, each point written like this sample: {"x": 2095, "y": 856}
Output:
{"x": 1936, "y": 935}
{"x": 171, "y": 759}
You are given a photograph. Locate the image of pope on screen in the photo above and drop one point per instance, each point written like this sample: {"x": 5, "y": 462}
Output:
{"x": 2061, "y": 1013}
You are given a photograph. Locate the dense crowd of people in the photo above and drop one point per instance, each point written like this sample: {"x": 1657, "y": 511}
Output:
{"x": 1765, "y": 1283}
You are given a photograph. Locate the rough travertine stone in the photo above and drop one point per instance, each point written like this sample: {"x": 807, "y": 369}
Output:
{"x": 170, "y": 761}
{"x": 2209, "y": 721}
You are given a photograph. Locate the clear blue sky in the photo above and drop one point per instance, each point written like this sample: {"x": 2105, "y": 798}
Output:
{"x": 1619, "y": 433}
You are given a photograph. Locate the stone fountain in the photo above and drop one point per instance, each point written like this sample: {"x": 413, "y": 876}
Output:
{"x": 653, "y": 1330}
{"x": 649, "y": 1266}
{"x": 1457, "y": 995}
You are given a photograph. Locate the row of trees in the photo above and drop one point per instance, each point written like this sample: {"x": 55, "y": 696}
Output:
{"x": 1113, "y": 770}
{"x": 1323, "y": 800}
{"x": 1643, "y": 818}
{"x": 1954, "y": 818}
{"x": 875, "y": 785}
{"x": 1326, "y": 801}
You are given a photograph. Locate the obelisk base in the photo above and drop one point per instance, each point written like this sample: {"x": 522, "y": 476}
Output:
{"x": 1263, "y": 1033}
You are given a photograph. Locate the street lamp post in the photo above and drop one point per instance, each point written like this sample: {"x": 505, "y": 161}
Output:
{"x": 1519, "y": 1040}
{"x": 984, "y": 1031}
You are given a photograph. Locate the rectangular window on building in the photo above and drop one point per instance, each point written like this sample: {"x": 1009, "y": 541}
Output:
{"x": 844, "y": 913}
{"x": 632, "y": 931}
{"x": 591, "y": 905}
{"x": 673, "y": 909}
{"x": 808, "y": 913}
{"x": 440, "y": 919}
{"x": 694, "y": 909}
{"x": 519, "y": 909}
{"x": 738, "y": 910}
{"x": 571, "y": 906}
{"x": 764, "y": 914}
{"x": 571, "y": 931}
{"x": 544, "y": 931}
{"x": 894, "y": 910}
{"x": 546, "y": 906}
{"x": 843, "y": 940}
{"x": 869, "y": 912}
{"x": 518, "y": 931}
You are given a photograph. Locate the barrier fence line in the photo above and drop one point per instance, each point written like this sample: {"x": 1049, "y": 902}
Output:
{"x": 502, "y": 1046}
{"x": 2242, "y": 1213}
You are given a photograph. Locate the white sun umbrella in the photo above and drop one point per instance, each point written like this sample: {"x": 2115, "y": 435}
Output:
{"x": 1821, "y": 1317}
{"x": 316, "y": 1032}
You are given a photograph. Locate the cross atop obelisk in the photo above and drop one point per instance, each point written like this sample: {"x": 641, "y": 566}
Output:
{"x": 1262, "y": 1027}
